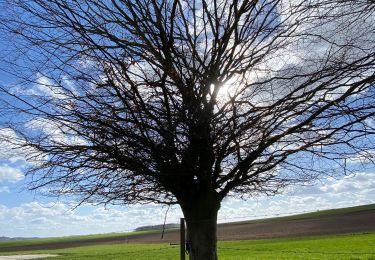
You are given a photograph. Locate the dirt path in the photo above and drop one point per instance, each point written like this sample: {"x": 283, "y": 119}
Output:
{"x": 335, "y": 224}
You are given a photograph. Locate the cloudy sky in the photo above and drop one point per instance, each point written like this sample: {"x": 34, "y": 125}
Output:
{"x": 23, "y": 213}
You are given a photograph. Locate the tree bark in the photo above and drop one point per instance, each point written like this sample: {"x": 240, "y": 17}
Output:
{"x": 201, "y": 221}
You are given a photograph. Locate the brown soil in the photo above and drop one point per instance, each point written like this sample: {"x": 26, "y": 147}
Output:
{"x": 358, "y": 222}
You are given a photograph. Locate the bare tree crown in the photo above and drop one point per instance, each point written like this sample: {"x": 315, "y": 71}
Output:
{"x": 153, "y": 101}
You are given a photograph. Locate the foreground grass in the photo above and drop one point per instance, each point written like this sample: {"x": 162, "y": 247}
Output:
{"x": 358, "y": 246}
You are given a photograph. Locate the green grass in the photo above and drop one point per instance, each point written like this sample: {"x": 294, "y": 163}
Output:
{"x": 113, "y": 251}
{"x": 358, "y": 246}
{"x": 53, "y": 240}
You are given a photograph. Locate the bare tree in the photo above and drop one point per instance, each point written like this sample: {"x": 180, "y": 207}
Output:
{"x": 189, "y": 101}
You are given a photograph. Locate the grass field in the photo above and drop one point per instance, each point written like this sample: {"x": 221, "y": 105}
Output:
{"x": 41, "y": 241}
{"x": 355, "y": 246}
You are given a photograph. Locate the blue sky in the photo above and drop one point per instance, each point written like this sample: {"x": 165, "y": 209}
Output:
{"x": 23, "y": 213}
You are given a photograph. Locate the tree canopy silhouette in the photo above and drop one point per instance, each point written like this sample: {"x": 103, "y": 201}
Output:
{"x": 188, "y": 101}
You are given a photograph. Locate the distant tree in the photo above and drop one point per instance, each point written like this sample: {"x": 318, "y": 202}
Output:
{"x": 188, "y": 101}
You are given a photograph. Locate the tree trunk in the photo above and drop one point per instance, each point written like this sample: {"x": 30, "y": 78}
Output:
{"x": 201, "y": 220}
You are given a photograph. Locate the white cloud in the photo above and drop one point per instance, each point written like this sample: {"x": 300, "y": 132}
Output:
{"x": 10, "y": 174}
{"x": 48, "y": 127}
{"x": 45, "y": 87}
{"x": 56, "y": 131}
{"x": 363, "y": 157}
{"x": 356, "y": 189}
{"x": 4, "y": 189}
{"x": 57, "y": 219}
{"x": 10, "y": 146}
{"x": 358, "y": 183}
